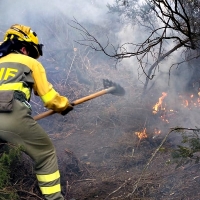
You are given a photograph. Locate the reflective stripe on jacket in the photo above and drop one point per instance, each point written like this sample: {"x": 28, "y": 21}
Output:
{"x": 21, "y": 72}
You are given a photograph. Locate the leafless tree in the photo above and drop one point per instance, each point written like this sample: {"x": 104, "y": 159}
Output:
{"x": 167, "y": 21}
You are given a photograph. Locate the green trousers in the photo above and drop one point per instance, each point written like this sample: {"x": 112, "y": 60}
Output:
{"x": 19, "y": 128}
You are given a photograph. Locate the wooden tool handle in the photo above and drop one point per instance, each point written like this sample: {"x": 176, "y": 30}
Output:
{"x": 43, "y": 115}
{"x": 91, "y": 96}
{"x": 76, "y": 102}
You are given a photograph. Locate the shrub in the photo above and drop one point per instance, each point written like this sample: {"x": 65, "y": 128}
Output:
{"x": 9, "y": 155}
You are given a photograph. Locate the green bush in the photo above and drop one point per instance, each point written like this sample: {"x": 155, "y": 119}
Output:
{"x": 188, "y": 151}
{"x": 9, "y": 155}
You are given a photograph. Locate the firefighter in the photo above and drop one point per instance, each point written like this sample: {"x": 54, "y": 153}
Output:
{"x": 20, "y": 73}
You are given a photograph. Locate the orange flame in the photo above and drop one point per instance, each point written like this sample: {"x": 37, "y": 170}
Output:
{"x": 191, "y": 101}
{"x": 157, "y": 131}
{"x": 185, "y": 103}
{"x": 142, "y": 134}
{"x": 159, "y": 103}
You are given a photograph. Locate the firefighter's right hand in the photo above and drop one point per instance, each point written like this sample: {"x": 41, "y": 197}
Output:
{"x": 67, "y": 110}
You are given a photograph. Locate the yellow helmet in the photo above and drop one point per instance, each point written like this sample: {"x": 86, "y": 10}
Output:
{"x": 24, "y": 33}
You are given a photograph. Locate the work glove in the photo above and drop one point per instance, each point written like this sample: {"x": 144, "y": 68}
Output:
{"x": 67, "y": 110}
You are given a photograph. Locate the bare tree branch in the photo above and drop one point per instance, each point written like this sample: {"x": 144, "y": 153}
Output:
{"x": 174, "y": 22}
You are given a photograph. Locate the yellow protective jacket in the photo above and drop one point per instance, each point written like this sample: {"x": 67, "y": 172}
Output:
{"x": 21, "y": 72}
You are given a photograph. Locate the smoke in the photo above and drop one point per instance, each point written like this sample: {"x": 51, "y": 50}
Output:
{"x": 49, "y": 19}
{"x": 29, "y": 12}
{"x": 170, "y": 77}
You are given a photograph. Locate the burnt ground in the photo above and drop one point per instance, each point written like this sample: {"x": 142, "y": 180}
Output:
{"x": 114, "y": 167}
{"x": 111, "y": 167}
{"x": 99, "y": 154}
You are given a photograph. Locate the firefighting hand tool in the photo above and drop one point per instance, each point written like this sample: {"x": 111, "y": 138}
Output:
{"x": 109, "y": 88}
